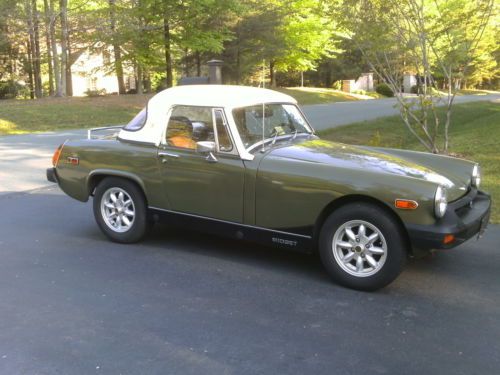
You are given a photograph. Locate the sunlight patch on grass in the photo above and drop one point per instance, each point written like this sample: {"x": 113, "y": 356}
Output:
{"x": 8, "y": 127}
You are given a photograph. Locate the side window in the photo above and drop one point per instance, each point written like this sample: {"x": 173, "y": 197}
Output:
{"x": 138, "y": 121}
{"x": 188, "y": 125}
{"x": 225, "y": 144}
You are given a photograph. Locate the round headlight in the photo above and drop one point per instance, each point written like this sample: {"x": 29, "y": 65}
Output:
{"x": 440, "y": 202}
{"x": 476, "y": 176}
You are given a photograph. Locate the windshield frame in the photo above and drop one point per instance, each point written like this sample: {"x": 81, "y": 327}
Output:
{"x": 261, "y": 142}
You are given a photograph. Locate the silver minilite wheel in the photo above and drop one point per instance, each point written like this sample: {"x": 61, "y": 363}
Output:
{"x": 359, "y": 248}
{"x": 117, "y": 209}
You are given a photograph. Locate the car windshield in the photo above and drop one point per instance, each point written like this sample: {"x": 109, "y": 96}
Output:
{"x": 267, "y": 122}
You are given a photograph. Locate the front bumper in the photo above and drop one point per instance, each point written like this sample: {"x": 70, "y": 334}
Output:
{"x": 464, "y": 218}
{"x": 52, "y": 175}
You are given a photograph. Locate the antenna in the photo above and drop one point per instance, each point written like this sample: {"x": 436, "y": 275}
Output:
{"x": 263, "y": 73}
{"x": 263, "y": 122}
{"x": 263, "y": 104}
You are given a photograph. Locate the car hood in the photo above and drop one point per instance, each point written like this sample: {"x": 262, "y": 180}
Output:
{"x": 384, "y": 161}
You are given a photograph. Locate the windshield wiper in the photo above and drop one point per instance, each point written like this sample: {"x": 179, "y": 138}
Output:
{"x": 274, "y": 139}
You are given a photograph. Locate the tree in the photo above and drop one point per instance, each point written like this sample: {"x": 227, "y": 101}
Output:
{"x": 308, "y": 35}
{"x": 116, "y": 47}
{"x": 423, "y": 37}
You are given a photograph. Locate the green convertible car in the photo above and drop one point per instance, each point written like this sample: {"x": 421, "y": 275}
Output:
{"x": 244, "y": 162}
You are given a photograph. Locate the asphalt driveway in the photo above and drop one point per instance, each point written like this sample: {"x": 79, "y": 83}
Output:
{"x": 326, "y": 116}
{"x": 71, "y": 302}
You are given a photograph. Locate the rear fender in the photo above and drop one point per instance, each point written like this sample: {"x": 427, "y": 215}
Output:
{"x": 97, "y": 175}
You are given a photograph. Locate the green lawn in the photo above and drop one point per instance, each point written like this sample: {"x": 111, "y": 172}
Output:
{"x": 475, "y": 135}
{"x": 316, "y": 95}
{"x": 52, "y": 114}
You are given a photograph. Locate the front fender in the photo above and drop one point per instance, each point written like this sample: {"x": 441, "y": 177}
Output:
{"x": 291, "y": 194}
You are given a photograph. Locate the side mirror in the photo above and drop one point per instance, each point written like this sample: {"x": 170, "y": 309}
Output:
{"x": 205, "y": 147}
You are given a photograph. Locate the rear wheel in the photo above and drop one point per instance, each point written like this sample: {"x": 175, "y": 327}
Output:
{"x": 120, "y": 210}
{"x": 362, "y": 247}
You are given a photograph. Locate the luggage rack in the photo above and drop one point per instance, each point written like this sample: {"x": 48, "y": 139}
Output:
{"x": 91, "y": 135}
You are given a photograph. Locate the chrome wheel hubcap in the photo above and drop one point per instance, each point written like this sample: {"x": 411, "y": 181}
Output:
{"x": 359, "y": 248}
{"x": 117, "y": 210}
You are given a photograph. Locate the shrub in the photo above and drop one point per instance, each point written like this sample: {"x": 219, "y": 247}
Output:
{"x": 337, "y": 85}
{"x": 419, "y": 90}
{"x": 95, "y": 93}
{"x": 359, "y": 92}
{"x": 9, "y": 89}
{"x": 385, "y": 90}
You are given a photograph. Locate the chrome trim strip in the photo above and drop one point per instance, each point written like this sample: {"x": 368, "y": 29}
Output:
{"x": 89, "y": 132}
{"x": 229, "y": 222}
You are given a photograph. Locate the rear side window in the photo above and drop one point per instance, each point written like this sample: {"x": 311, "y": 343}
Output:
{"x": 138, "y": 121}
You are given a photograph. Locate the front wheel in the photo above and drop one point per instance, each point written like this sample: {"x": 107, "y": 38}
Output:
{"x": 362, "y": 247}
{"x": 120, "y": 210}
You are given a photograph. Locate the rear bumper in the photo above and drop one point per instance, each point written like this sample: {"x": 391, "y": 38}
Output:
{"x": 464, "y": 218}
{"x": 52, "y": 175}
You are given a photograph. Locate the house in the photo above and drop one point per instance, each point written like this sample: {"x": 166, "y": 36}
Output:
{"x": 93, "y": 72}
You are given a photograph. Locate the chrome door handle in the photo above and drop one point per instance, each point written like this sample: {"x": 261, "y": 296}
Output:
{"x": 168, "y": 154}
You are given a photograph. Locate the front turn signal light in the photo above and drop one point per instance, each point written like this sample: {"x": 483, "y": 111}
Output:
{"x": 406, "y": 204}
{"x": 57, "y": 154}
{"x": 449, "y": 238}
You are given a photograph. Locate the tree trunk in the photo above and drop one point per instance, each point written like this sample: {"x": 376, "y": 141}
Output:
{"x": 146, "y": 81}
{"x": 116, "y": 48}
{"x": 272, "y": 76}
{"x": 36, "y": 55}
{"x": 168, "y": 54}
{"x": 63, "y": 4}
{"x": 55, "y": 56}
{"x": 186, "y": 62}
{"x": 139, "y": 79}
{"x": 198, "y": 64}
{"x": 69, "y": 79}
{"x": 30, "y": 70}
{"x": 34, "y": 46}
{"x": 47, "y": 42}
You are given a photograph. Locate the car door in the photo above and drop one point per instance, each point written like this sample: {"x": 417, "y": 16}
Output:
{"x": 203, "y": 184}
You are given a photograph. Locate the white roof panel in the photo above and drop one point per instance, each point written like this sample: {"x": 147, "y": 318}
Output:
{"x": 218, "y": 96}
{"x": 225, "y": 96}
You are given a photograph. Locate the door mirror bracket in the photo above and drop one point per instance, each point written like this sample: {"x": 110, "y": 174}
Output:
{"x": 207, "y": 147}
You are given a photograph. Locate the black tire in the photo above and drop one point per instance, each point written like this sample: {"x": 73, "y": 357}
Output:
{"x": 359, "y": 214}
{"x": 139, "y": 224}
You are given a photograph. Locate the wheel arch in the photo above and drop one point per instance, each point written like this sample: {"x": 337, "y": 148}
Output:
{"x": 356, "y": 198}
{"x": 96, "y": 176}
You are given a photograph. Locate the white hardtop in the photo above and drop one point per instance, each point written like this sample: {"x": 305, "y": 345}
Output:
{"x": 218, "y": 96}
{"x": 221, "y": 96}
